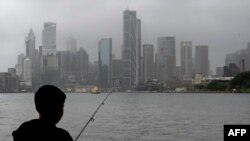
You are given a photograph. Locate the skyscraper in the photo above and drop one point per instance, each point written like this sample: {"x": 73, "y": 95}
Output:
{"x": 138, "y": 51}
{"x": 148, "y": 62}
{"x": 105, "y": 62}
{"x": 201, "y": 60}
{"x": 186, "y": 60}
{"x": 50, "y": 66}
{"x": 30, "y": 44}
{"x": 27, "y": 72}
{"x": 19, "y": 66}
{"x": 166, "y": 59}
{"x": 129, "y": 49}
{"x": 83, "y": 66}
{"x": 49, "y": 39}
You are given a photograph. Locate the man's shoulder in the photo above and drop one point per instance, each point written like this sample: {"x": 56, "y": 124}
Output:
{"x": 36, "y": 129}
{"x": 63, "y": 133}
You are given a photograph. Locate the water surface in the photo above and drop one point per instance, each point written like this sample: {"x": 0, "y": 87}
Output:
{"x": 136, "y": 116}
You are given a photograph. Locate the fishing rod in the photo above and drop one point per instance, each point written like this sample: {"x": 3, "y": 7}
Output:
{"x": 92, "y": 117}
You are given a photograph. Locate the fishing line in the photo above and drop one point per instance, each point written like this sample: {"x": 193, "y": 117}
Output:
{"x": 92, "y": 117}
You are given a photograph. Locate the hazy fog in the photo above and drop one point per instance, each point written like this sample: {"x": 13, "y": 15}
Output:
{"x": 216, "y": 23}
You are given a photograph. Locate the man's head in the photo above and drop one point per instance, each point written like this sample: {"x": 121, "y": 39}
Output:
{"x": 49, "y": 101}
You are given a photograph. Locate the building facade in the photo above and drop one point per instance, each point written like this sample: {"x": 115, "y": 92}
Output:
{"x": 201, "y": 60}
{"x": 27, "y": 75}
{"x": 138, "y": 52}
{"x": 186, "y": 60}
{"x": 148, "y": 62}
{"x": 49, "y": 59}
{"x": 105, "y": 62}
{"x": 166, "y": 59}
{"x": 49, "y": 39}
{"x": 129, "y": 49}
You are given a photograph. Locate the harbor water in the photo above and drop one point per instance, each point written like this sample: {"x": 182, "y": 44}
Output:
{"x": 136, "y": 116}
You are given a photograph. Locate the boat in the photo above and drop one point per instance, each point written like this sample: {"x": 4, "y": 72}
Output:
{"x": 95, "y": 90}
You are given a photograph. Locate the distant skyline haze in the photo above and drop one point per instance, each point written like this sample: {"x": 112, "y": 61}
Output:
{"x": 224, "y": 26}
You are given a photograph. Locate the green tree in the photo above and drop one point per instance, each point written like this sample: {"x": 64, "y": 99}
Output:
{"x": 241, "y": 82}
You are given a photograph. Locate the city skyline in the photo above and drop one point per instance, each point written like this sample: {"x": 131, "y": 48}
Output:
{"x": 211, "y": 23}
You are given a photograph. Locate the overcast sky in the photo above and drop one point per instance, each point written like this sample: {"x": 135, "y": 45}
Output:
{"x": 216, "y": 23}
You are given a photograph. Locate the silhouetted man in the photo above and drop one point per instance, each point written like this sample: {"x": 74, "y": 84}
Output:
{"x": 49, "y": 101}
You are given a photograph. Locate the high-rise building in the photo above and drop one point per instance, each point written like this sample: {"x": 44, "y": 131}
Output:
{"x": 117, "y": 72}
{"x": 105, "y": 62}
{"x": 9, "y": 82}
{"x": 138, "y": 51}
{"x": 27, "y": 75}
{"x": 49, "y": 39}
{"x": 129, "y": 49}
{"x": 33, "y": 55}
{"x": 50, "y": 70}
{"x": 30, "y": 44}
{"x": 186, "y": 60}
{"x": 72, "y": 44}
{"x": 83, "y": 66}
{"x": 19, "y": 65}
{"x": 148, "y": 62}
{"x": 166, "y": 59}
{"x": 49, "y": 59}
{"x": 201, "y": 60}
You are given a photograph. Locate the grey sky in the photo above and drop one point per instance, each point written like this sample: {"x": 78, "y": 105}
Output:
{"x": 216, "y": 23}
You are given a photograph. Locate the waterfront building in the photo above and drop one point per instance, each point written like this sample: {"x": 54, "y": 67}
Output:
{"x": 129, "y": 49}
{"x": 138, "y": 52}
{"x": 30, "y": 43}
{"x": 49, "y": 59}
{"x": 166, "y": 59}
{"x": 8, "y": 82}
{"x": 241, "y": 58}
{"x": 186, "y": 60}
{"x": 50, "y": 70}
{"x": 49, "y": 39}
{"x": 117, "y": 72}
{"x": 82, "y": 66}
{"x": 105, "y": 62}
{"x": 231, "y": 70}
{"x": 219, "y": 71}
{"x": 33, "y": 55}
{"x": 148, "y": 62}
{"x": 201, "y": 60}
{"x": 19, "y": 65}
{"x": 27, "y": 73}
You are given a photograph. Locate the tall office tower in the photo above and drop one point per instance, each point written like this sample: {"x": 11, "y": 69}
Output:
{"x": 138, "y": 51}
{"x": 32, "y": 54}
{"x": 166, "y": 59}
{"x": 129, "y": 49}
{"x": 72, "y": 44}
{"x": 19, "y": 66}
{"x": 49, "y": 39}
{"x": 148, "y": 62}
{"x": 83, "y": 66}
{"x": 50, "y": 69}
{"x": 27, "y": 72}
{"x": 186, "y": 60}
{"x": 30, "y": 44}
{"x": 117, "y": 72}
{"x": 201, "y": 60}
{"x": 105, "y": 62}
